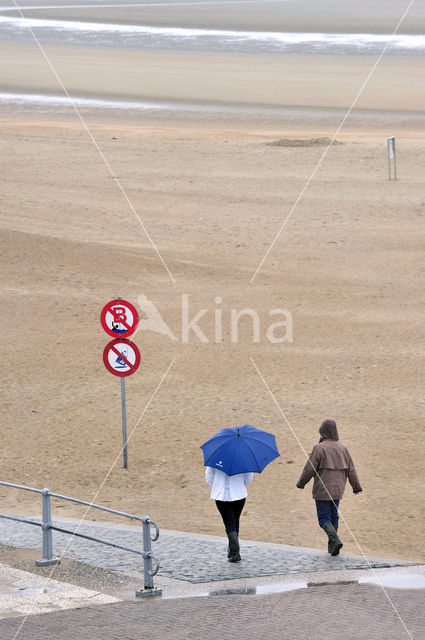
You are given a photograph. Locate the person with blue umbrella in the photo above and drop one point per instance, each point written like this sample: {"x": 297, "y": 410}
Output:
{"x": 231, "y": 457}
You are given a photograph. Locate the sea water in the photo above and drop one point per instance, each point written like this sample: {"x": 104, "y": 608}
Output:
{"x": 75, "y": 33}
{"x": 104, "y": 34}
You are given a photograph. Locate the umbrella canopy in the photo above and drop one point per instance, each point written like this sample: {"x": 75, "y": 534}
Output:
{"x": 240, "y": 449}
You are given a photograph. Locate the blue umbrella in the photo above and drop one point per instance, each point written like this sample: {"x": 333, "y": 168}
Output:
{"x": 240, "y": 449}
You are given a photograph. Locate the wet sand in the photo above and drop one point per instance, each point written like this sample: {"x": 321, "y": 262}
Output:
{"x": 301, "y": 81}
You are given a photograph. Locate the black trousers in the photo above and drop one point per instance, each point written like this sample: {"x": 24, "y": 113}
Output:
{"x": 231, "y": 512}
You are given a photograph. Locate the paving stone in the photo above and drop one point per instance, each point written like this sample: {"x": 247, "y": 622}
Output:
{"x": 348, "y": 612}
{"x": 192, "y": 558}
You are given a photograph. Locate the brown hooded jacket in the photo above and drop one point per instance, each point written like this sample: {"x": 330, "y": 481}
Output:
{"x": 330, "y": 464}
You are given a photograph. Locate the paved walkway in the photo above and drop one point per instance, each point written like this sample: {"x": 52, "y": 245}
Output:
{"x": 277, "y": 592}
{"x": 24, "y": 593}
{"x": 183, "y": 556}
{"x": 333, "y": 612}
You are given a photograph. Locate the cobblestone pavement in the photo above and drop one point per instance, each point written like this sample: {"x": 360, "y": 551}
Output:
{"x": 189, "y": 557}
{"x": 348, "y": 612}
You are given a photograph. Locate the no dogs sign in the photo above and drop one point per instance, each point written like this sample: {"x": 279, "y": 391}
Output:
{"x": 119, "y": 318}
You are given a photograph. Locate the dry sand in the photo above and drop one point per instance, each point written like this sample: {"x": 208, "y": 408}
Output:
{"x": 213, "y": 194}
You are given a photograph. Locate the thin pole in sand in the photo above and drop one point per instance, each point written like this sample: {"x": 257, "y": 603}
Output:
{"x": 395, "y": 162}
{"x": 124, "y": 420}
{"x": 391, "y": 156}
{"x": 124, "y": 424}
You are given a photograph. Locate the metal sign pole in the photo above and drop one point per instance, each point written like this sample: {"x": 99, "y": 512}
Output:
{"x": 124, "y": 424}
{"x": 391, "y": 156}
{"x": 395, "y": 166}
{"x": 121, "y": 357}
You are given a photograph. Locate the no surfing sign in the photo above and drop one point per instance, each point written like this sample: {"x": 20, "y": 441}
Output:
{"x": 121, "y": 357}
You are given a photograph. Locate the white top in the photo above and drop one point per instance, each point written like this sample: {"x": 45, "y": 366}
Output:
{"x": 227, "y": 488}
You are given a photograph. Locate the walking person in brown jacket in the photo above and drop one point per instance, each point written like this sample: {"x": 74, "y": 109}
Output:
{"x": 330, "y": 463}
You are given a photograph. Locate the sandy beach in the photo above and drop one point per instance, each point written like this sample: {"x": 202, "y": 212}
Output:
{"x": 212, "y": 191}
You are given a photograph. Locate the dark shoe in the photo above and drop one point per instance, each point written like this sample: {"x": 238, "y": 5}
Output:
{"x": 233, "y": 554}
{"x": 335, "y": 543}
{"x": 335, "y": 526}
{"x": 229, "y": 553}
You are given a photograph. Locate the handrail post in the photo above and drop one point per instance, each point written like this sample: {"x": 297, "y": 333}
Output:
{"x": 47, "y": 527}
{"x": 149, "y": 588}
{"x": 47, "y": 532}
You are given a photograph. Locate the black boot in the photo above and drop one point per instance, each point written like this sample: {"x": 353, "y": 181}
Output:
{"x": 233, "y": 554}
{"x": 335, "y": 526}
{"x": 335, "y": 543}
{"x": 229, "y": 553}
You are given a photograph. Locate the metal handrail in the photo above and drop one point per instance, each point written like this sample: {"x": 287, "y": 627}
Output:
{"x": 47, "y": 528}
{"x": 21, "y": 486}
{"x": 70, "y": 499}
{"x": 96, "y": 506}
{"x": 18, "y": 519}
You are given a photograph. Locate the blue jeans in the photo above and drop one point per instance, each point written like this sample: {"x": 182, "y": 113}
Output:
{"x": 327, "y": 511}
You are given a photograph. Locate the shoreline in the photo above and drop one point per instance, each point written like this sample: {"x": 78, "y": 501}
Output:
{"x": 98, "y": 102}
{"x": 329, "y": 17}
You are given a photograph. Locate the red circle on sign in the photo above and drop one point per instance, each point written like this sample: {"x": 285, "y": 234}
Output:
{"x": 119, "y": 318}
{"x": 121, "y": 357}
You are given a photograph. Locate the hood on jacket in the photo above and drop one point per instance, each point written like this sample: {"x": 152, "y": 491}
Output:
{"x": 328, "y": 430}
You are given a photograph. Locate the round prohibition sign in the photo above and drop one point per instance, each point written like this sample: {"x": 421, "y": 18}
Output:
{"x": 121, "y": 357}
{"x": 119, "y": 318}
